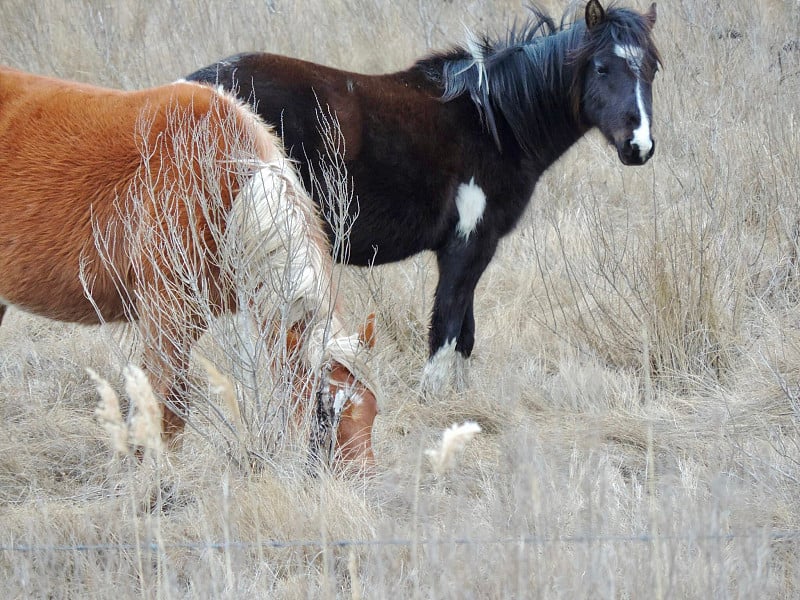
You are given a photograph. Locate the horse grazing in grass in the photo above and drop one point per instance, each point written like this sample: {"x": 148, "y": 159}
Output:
{"x": 159, "y": 206}
{"x": 445, "y": 156}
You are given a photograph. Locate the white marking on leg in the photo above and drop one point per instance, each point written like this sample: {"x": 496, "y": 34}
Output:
{"x": 470, "y": 202}
{"x": 439, "y": 369}
{"x": 461, "y": 373}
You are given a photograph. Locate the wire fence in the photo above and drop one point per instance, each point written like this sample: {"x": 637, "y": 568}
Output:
{"x": 789, "y": 536}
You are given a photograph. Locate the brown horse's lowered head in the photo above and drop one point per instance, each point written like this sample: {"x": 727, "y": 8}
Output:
{"x": 343, "y": 397}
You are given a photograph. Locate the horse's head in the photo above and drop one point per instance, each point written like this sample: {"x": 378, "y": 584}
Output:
{"x": 619, "y": 61}
{"x": 344, "y": 394}
{"x": 356, "y": 406}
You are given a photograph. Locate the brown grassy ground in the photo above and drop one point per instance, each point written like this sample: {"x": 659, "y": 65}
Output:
{"x": 636, "y": 375}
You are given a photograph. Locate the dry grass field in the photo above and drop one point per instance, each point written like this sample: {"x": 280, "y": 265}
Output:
{"x": 636, "y": 374}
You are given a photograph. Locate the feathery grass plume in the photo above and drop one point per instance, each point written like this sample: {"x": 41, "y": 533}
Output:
{"x": 109, "y": 414}
{"x": 145, "y": 427}
{"x": 454, "y": 439}
{"x": 352, "y": 571}
{"x": 223, "y": 386}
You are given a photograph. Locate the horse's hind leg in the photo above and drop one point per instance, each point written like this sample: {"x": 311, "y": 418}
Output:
{"x": 168, "y": 336}
{"x": 2, "y": 312}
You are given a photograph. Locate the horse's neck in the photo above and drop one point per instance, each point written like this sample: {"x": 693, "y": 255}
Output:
{"x": 524, "y": 95}
{"x": 547, "y": 125}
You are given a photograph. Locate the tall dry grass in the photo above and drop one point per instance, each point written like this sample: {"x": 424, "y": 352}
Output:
{"x": 635, "y": 375}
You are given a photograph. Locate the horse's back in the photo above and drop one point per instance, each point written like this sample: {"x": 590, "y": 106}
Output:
{"x": 403, "y": 176}
{"x": 288, "y": 93}
{"x": 69, "y": 152}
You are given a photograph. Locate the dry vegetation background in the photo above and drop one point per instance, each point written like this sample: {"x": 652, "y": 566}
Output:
{"x": 636, "y": 374}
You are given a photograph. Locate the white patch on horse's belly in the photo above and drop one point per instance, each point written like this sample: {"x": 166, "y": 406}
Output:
{"x": 470, "y": 202}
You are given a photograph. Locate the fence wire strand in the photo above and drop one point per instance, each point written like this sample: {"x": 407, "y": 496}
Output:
{"x": 771, "y": 536}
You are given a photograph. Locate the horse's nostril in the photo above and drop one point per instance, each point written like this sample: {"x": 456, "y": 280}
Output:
{"x": 630, "y": 149}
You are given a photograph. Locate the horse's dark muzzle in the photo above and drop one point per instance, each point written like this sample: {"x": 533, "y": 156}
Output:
{"x": 630, "y": 154}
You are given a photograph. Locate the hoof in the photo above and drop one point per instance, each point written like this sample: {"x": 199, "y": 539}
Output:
{"x": 446, "y": 370}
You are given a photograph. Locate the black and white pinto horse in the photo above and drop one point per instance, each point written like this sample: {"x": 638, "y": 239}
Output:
{"x": 445, "y": 155}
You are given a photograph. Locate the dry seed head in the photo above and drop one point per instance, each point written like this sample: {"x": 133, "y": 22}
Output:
{"x": 109, "y": 414}
{"x": 454, "y": 439}
{"x": 223, "y": 386}
{"x": 145, "y": 429}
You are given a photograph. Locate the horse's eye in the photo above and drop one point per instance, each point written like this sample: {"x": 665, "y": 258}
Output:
{"x": 601, "y": 69}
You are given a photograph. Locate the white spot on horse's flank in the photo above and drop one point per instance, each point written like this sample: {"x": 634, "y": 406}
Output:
{"x": 439, "y": 369}
{"x": 470, "y": 202}
{"x": 641, "y": 135}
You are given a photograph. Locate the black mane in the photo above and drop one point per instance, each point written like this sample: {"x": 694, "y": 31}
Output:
{"x": 532, "y": 76}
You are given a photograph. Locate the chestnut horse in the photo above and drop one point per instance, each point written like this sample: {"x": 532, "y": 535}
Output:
{"x": 445, "y": 155}
{"x": 158, "y": 206}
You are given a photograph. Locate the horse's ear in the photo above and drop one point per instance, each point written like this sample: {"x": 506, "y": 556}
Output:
{"x": 594, "y": 14}
{"x": 366, "y": 333}
{"x": 650, "y": 17}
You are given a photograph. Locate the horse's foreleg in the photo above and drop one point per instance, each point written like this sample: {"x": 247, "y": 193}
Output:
{"x": 168, "y": 337}
{"x": 2, "y": 312}
{"x": 464, "y": 345}
{"x": 166, "y": 369}
{"x": 466, "y": 339}
{"x": 448, "y": 316}
{"x": 452, "y": 333}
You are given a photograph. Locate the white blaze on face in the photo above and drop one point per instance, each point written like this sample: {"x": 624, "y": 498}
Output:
{"x": 342, "y": 397}
{"x": 470, "y": 202}
{"x": 641, "y": 135}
